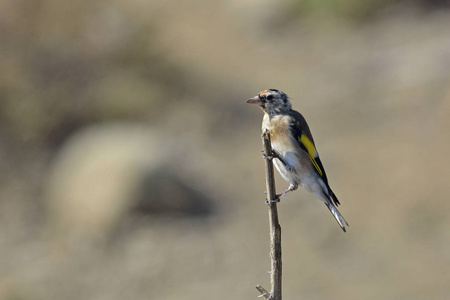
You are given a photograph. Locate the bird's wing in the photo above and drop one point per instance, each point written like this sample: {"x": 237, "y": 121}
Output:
{"x": 299, "y": 129}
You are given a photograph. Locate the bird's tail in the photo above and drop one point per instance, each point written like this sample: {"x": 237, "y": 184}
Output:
{"x": 337, "y": 215}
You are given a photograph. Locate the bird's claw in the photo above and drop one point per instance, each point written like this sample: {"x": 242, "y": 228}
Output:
{"x": 268, "y": 157}
{"x": 272, "y": 156}
{"x": 276, "y": 200}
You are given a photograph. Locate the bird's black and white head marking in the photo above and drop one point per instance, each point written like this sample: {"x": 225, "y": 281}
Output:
{"x": 274, "y": 101}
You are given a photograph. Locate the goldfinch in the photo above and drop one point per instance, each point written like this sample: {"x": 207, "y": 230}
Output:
{"x": 294, "y": 152}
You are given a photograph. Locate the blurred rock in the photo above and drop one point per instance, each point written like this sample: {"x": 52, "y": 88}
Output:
{"x": 162, "y": 191}
{"x": 105, "y": 172}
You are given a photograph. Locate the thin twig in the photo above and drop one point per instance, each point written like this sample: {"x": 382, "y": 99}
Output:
{"x": 275, "y": 228}
{"x": 263, "y": 292}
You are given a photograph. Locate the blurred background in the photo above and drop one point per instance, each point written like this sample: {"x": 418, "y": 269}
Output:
{"x": 131, "y": 167}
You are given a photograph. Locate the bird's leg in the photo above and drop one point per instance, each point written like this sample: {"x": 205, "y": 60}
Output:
{"x": 276, "y": 155}
{"x": 292, "y": 187}
{"x": 272, "y": 156}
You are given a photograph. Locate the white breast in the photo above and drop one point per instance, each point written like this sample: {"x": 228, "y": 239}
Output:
{"x": 291, "y": 153}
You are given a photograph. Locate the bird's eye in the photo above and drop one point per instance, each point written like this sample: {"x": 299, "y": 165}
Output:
{"x": 270, "y": 97}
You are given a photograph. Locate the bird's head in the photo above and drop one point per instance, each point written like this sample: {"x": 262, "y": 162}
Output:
{"x": 272, "y": 101}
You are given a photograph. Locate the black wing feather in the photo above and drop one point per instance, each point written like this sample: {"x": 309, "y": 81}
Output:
{"x": 297, "y": 127}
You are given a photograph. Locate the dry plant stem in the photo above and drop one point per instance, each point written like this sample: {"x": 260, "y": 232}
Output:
{"x": 275, "y": 229}
{"x": 263, "y": 292}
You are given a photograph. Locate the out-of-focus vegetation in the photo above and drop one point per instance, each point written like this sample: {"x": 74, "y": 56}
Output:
{"x": 363, "y": 10}
{"x": 130, "y": 164}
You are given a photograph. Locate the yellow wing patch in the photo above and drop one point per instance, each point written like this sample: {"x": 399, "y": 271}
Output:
{"x": 303, "y": 139}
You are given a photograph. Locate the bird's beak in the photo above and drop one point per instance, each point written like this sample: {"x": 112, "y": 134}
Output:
{"x": 255, "y": 100}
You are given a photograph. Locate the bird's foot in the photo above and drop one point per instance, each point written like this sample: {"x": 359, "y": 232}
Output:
{"x": 272, "y": 156}
{"x": 276, "y": 200}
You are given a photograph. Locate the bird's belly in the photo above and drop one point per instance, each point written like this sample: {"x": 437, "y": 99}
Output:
{"x": 295, "y": 164}
{"x": 300, "y": 170}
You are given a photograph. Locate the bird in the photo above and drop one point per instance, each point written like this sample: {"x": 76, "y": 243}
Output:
{"x": 294, "y": 152}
